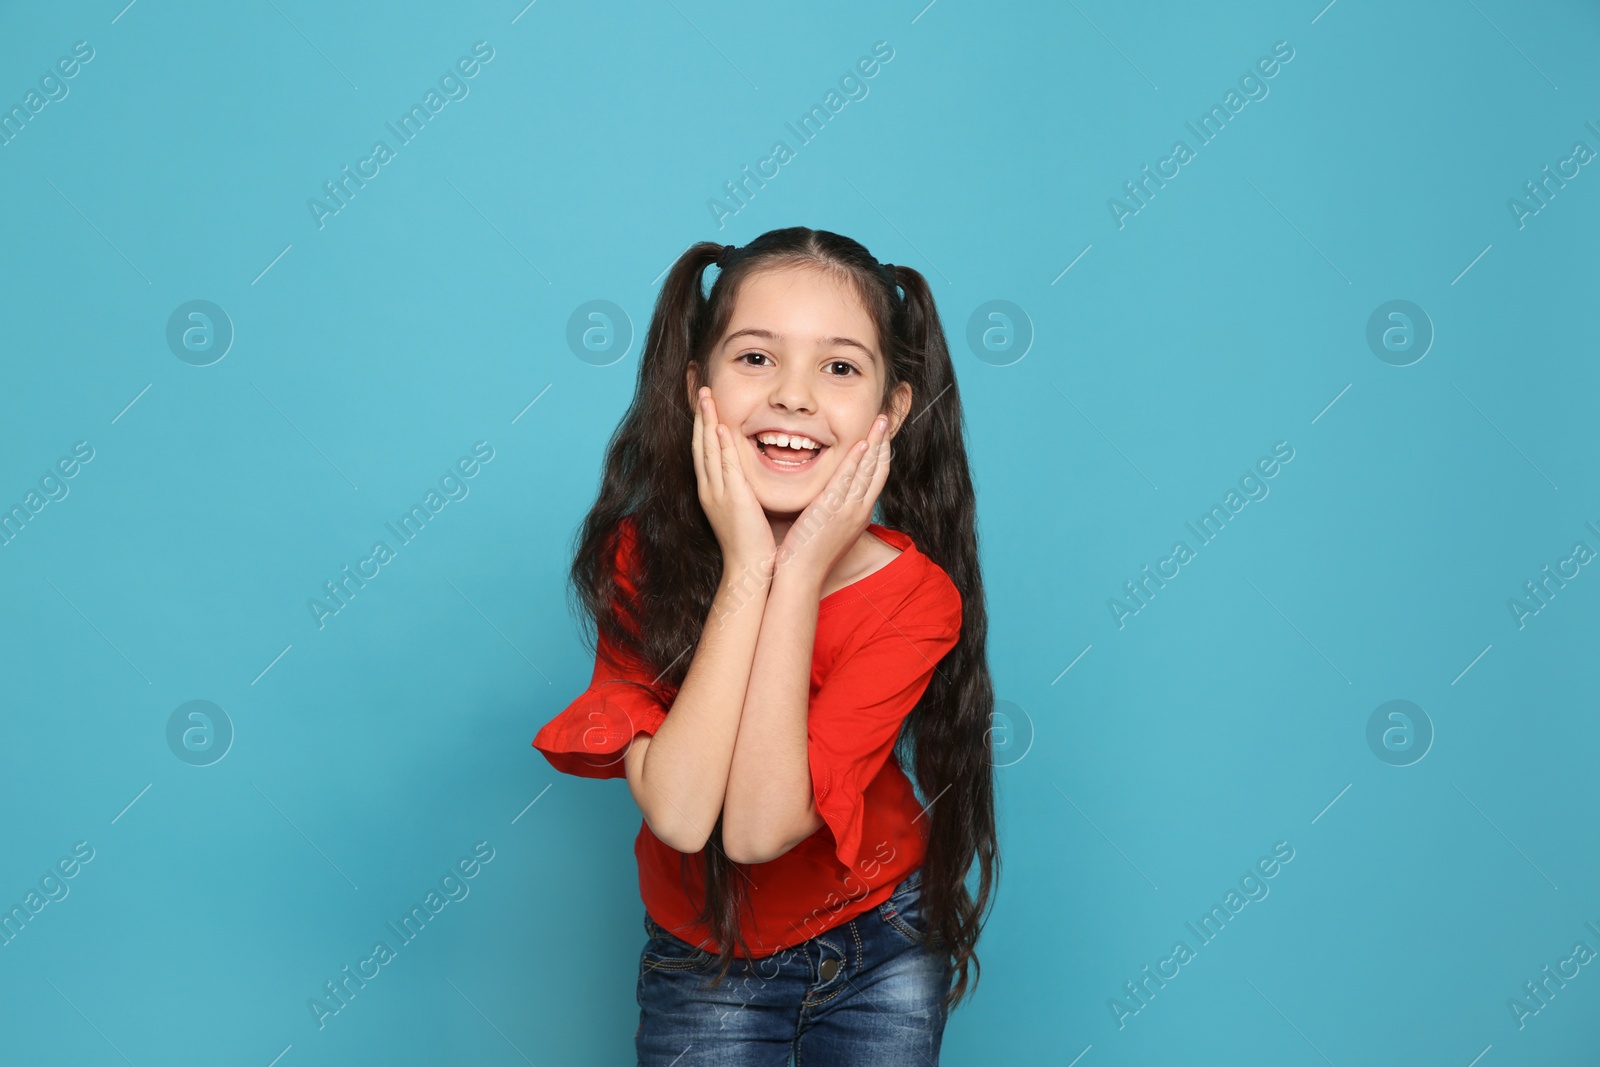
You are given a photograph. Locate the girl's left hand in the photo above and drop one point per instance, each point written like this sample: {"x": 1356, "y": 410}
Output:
{"x": 833, "y": 522}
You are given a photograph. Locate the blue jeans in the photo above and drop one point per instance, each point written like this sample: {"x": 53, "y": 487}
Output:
{"x": 867, "y": 993}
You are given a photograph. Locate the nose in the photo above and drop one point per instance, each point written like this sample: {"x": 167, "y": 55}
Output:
{"x": 791, "y": 389}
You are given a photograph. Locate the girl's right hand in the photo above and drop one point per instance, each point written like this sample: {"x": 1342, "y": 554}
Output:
{"x": 736, "y": 515}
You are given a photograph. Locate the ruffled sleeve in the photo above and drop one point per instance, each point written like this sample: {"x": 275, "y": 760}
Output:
{"x": 591, "y": 735}
{"x": 856, "y": 715}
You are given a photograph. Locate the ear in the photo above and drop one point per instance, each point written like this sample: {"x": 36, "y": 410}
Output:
{"x": 899, "y": 407}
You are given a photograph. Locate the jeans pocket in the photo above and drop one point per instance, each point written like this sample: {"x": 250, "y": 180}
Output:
{"x": 666, "y": 952}
{"x": 902, "y": 911}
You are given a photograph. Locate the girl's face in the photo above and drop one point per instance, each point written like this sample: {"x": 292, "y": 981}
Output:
{"x": 800, "y": 356}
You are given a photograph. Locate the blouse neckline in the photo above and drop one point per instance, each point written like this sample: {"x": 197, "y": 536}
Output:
{"x": 889, "y": 570}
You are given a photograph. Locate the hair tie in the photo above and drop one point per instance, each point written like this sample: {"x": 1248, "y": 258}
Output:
{"x": 725, "y": 255}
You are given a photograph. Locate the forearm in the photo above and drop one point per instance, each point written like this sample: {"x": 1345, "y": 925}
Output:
{"x": 684, "y": 770}
{"x": 769, "y": 793}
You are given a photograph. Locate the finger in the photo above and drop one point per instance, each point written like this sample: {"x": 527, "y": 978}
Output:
{"x": 880, "y": 464}
{"x": 866, "y": 468}
{"x": 713, "y": 448}
{"x": 880, "y": 476}
{"x": 853, "y": 472}
{"x": 696, "y": 447}
{"x": 731, "y": 471}
{"x": 837, "y": 494}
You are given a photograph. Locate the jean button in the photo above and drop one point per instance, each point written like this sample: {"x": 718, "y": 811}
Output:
{"x": 828, "y": 969}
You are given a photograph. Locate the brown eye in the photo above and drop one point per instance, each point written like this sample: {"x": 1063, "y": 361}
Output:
{"x": 851, "y": 367}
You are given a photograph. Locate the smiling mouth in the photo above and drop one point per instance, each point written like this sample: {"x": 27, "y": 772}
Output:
{"x": 783, "y": 458}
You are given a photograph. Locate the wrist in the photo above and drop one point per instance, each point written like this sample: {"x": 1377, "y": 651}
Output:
{"x": 748, "y": 573}
{"x": 800, "y": 577}
{"x": 743, "y": 586}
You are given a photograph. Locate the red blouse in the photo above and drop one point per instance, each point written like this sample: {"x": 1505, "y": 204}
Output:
{"x": 877, "y": 643}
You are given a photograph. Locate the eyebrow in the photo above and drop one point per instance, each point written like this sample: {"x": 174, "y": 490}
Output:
{"x": 833, "y": 342}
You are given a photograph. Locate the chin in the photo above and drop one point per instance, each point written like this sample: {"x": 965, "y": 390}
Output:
{"x": 787, "y": 496}
{"x": 784, "y": 504}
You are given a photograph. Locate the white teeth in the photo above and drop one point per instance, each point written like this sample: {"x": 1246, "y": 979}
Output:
{"x": 783, "y": 440}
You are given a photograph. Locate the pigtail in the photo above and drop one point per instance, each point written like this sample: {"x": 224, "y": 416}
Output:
{"x": 648, "y": 479}
{"x": 644, "y": 441}
{"x": 930, "y": 496}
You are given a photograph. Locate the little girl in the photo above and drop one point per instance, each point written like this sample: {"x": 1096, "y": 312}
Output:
{"x": 763, "y": 648}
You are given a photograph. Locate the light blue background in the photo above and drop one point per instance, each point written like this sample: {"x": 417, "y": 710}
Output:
{"x": 1230, "y": 313}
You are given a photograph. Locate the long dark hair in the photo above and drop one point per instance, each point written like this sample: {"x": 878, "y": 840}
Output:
{"x": 649, "y": 475}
